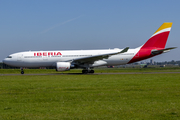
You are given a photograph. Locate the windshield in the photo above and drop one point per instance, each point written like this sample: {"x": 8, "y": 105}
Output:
{"x": 9, "y": 57}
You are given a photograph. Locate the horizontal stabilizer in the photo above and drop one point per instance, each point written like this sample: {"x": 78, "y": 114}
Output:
{"x": 156, "y": 52}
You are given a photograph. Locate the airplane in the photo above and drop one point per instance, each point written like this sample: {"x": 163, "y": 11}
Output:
{"x": 88, "y": 59}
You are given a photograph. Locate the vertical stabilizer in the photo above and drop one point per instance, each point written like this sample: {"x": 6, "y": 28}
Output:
{"x": 159, "y": 38}
{"x": 156, "y": 42}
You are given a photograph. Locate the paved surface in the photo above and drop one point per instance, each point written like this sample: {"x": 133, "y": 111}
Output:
{"x": 89, "y": 74}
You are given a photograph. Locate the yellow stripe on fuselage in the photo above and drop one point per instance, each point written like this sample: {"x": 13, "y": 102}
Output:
{"x": 164, "y": 26}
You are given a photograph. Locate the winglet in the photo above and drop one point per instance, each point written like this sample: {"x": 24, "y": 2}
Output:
{"x": 124, "y": 50}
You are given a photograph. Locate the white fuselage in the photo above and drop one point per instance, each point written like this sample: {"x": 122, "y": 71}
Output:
{"x": 49, "y": 58}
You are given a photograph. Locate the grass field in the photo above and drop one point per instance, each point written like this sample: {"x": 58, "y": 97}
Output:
{"x": 91, "y": 97}
{"x": 97, "y": 70}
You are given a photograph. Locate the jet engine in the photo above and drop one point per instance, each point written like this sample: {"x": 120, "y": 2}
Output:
{"x": 63, "y": 66}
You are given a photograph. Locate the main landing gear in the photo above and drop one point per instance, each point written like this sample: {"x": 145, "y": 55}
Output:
{"x": 87, "y": 71}
{"x": 22, "y": 71}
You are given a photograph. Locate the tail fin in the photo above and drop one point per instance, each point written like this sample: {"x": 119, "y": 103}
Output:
{"x": 159, "y": 38}
{"x": 155, "y": 45}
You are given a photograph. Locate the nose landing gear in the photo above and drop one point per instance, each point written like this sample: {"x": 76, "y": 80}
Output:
{"x": 22, "y": 71}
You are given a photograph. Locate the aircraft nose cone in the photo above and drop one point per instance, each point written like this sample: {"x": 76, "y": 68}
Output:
{"x": 7, "y": 61}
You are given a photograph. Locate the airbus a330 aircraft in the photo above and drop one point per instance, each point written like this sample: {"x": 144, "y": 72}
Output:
{"x": 88, "y": 59}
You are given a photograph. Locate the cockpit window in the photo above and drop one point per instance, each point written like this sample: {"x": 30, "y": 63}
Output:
{"x": 9, "y": 57}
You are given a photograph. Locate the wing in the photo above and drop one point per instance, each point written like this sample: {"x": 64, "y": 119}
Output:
{"x": 155, "y": 52}
{"x": 92, "y": 59}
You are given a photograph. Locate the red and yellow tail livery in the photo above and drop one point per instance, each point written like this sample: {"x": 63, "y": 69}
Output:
{"x": 155, "y": 45}
{"x": 159, "y": 38}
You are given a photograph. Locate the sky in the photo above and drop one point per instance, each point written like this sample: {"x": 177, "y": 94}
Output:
{"x": 86, "y": 24}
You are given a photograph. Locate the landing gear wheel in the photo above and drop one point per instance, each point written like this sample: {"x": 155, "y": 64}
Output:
{"x": 91, "y": 71}
{"x": 87, "y": 71}
{"x": 22, "y": 72}
{"x": 84, "y": 71}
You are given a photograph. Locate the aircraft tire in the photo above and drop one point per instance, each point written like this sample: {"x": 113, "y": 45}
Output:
{"x": 84, "y": 71}
{"x": 22, "y": 72}
{"x": 91, "y": 71}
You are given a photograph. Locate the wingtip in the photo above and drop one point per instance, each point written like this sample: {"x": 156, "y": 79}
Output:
{"x": 125, "y": 50}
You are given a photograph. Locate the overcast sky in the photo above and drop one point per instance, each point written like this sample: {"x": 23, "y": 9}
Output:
{"x": 86, "y": 24}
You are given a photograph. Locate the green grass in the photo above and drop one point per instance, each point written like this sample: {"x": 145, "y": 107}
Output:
{"x": 90, "y": 97}
{"x": 97, "y": 70}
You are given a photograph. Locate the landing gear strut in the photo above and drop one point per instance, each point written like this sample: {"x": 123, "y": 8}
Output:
{"x": 87, "y": 71}
{"x": 22, "y": 71}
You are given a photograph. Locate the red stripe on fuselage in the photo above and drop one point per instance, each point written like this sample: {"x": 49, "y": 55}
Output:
{"x": 156, "y": 42}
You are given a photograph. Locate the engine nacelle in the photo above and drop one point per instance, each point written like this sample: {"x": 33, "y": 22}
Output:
{"x": 63, "y": 66}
